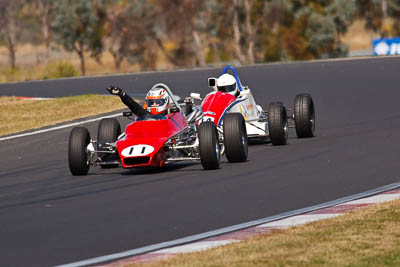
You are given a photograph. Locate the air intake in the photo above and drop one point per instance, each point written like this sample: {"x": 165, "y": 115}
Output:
{"x": 136, "y": 161}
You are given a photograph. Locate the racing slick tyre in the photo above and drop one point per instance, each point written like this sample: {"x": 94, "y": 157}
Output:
{"x": 235, "y": 137}
{"x": 79, "y": 139}
{"x": 304, "y": 116}
{"x": 278, "y": 124}
{"x": 107, "y": 132}
{"x": 210, "y": 154}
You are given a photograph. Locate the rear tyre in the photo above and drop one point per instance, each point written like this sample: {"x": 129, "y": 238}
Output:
{"x": 235, "y": 137}
{"x": 107, "y": 132}
{"x": 209, "y": 148}
{"x": 304, "y": 116}
{"x": 278, "y": 124}
{"x": 78, "y": 159}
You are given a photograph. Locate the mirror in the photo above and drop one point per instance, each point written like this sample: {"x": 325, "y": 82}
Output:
{"x": 212, "y": 82}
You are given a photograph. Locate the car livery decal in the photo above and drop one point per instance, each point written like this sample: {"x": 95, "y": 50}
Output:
{"x": 137, "y": 150}
{"x": 229, "y": 108}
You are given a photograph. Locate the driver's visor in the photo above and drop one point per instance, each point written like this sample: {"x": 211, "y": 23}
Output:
{"x": 155, "y": 102}
{"x": 227, "y": 88}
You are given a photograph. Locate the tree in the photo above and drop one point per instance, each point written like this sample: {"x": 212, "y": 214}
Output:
{"x": 9, "y": 15}
{"x": 186, "y": 28}
{"x": 130, "y": 33}
{"x": 377, "y": 13}
{"x": 307, "y": 29}
{"x": 78, "y": 25}
{"x": 44, "y": 11}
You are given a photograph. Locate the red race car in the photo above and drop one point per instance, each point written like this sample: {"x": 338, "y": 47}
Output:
{"x": 147, "y": 141}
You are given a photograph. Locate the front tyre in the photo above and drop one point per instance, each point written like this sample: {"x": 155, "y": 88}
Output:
{"x": 304, "y": 116}
{"x": 78, "y": 159}
{"x": 107, "y": 132}
{"x": 209, "y": 148}
{"x": 278, "y": 124}
{"x": 235, "y": 137}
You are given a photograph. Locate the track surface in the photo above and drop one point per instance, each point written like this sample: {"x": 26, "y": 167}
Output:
{"x": 48, "y": 217}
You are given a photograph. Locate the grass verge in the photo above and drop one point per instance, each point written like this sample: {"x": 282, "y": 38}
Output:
{"x": 367, "y": 237}
{"x": 19, "y": 115}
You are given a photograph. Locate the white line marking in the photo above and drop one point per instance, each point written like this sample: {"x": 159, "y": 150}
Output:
{"x": 60, "y": 127}
{"x": 195, "y": 247}
{"x": 299, "y": 220}
{"x": 195, "y": 238}
{"x": 376, "y": 199}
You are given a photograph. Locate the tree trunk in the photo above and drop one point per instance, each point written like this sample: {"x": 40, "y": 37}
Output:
{"x": 199, "y": 48}
{"x": 249, "y": 32}
{"x": 236, "y": 33}
{"x": 44, "y": 9}
{"x": 46, "y": 32}
{"x": 117, "y": 59}
{"x": 165, "y": 52}
{"x": 384, "y": 8}
{"x": 118, "y": 62}
{"x": 216, "y": 52}
{"x": 10, "y": 39}
{"x": 9, "y": 29}
{"x": 82, "y": 59}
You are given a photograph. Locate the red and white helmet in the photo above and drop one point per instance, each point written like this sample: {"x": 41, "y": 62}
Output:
{"x": 227, "y": 83}
{"x": 157, "y": 100}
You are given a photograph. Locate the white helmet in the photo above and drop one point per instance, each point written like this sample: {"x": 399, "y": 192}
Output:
{"x": 157, "y": 100}
{"x": 227, "y": 83}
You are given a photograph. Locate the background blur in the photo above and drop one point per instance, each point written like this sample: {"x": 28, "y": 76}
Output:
{"x": 42, "y": 39}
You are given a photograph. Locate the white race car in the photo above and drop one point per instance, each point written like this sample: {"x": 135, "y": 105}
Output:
{"x": 230, "y": 96}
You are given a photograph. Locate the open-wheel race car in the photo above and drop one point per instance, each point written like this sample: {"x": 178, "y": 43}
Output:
{"x": 221, "y": 125}
{"x": 231, "y": 97}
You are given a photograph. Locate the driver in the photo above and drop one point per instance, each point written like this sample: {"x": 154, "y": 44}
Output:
{"x": 226, "y": 83}
{"x": 156, "y": 102}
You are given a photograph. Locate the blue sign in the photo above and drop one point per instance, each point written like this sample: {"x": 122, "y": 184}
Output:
{"x": 386, "y": 46}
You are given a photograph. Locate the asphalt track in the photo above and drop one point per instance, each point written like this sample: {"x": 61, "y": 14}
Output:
{"x": 48, "y": 217}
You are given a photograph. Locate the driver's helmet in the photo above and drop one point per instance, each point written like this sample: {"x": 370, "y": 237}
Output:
{"x": 157, "y": 101}
{"x": 227, "y": 83}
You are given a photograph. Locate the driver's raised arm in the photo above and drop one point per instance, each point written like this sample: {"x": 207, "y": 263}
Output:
{"x": 137, "y": 109}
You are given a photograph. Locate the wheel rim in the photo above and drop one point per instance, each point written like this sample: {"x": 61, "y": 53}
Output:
{"x": 244, "y": 139}
{"x": 88, "y": 158}
{"x": 285, "y": 126}
{"x": 312, "y": 118}
{"x": 217, "y": 149}
{"x": 286, "y": 130}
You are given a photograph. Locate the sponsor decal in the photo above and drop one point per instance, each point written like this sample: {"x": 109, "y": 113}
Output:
{"x": 137, "y": 150}
{"x": 207, "y": 118}
{"x": 386, "y": 46}
{"x": 209, "y": 112}
{"x": 227, "y": 109}
{"x": 244, "y": 113}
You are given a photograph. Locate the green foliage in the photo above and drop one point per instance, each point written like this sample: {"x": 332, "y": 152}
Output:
{"x": 189, "y": 33}
{"x": 59, "y": 69}
{"x": 78, "y": 26}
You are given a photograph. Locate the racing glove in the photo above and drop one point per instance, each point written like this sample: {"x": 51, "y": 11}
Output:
{"x": 115, "y": 90}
